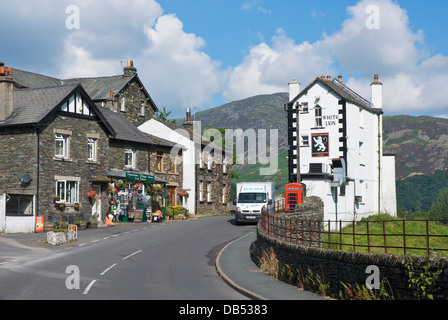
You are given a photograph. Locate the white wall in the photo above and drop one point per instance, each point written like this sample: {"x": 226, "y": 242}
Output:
{"x": 160, "y": 130}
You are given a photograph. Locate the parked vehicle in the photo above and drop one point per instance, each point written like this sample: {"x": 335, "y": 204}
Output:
{"x": 251, "y": 199}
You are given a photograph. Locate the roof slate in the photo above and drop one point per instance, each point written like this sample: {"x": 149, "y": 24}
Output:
{"x": 33, "y": 105}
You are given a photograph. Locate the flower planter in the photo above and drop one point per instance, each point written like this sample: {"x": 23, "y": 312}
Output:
{"x": 92, "y": 224}
{"x": 48, "y": 227}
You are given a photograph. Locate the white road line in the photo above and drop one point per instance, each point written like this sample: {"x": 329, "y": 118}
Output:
{"x": 86, "y": 291}
{"x": 106, "y": 238}
{"x": 95, "y": 241}
{"x": 104, "y": 272}
{"x": 82, "y": 244}
{"x": 132, "y": 254}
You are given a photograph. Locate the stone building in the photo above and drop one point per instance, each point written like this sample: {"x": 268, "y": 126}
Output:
{"x": 206, "y": 177}
{"x": 66, "y": 138}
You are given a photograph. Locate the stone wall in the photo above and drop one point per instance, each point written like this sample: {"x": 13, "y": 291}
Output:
{"x": 134, "y": 99}
{"x": 76, "y": 165}
{"x": 336, "y": 267}
{"x": 220, "y": 182}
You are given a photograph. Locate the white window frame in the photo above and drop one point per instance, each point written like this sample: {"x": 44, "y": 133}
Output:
{"x": 142, "y": 108}
{"x": 209, "y": 191}
{"x": 66, "y": 190}
{"x": 92, "y": 149}
{"x": 65, "y": 139}
{"x": 305, "y": 141}
{"x": 201, "y": 191}
{"x": 224, "y": 194}
{"x": 123, "y": 104}
{"x": 132, "y": 152}
{"x": 318, "y": 117}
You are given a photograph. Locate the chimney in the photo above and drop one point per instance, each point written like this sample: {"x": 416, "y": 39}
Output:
{"x": 377, "y": 93}
{"x": 294, "y": 89}
{"x": 6, "y": 92}
{"x": 188, "y": 124}
{"x": 110, "y": 101}
{"x": 340, "y": 78}
{"x": 130, "y": 70}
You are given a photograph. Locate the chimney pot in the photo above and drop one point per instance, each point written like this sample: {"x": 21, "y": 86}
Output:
{"x": 377, "y": 93}
{"x": 130, "y": 70}
{"x": 340, "y": 78}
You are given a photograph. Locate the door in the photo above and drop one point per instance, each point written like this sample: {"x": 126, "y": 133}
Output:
{"x": 96, "y": 204}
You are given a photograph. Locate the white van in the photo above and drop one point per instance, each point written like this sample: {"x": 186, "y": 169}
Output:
{"x": 251, "y": 198}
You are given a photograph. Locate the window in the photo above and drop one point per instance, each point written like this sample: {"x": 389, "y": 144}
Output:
{"x": 68, "y": 191}
{"x": 129, "y": 158}
{"x": 171, "y": 196}
{"x": 201, "y": 191}
{"x": 224, "y": 164}
{"x": 142, "y": 108}
{"x": 61, "y": 146}
{"x": 305, "y": 141}
{"x": 123, "y": 104}
{"x": 91, "y": 149}
{"x": 224, "y": 194}
{"x": 318, "y": 116}
{"x": 209, "y": 192}
{"x": 172, "y": 165}
{"x": 305, "y": 107}
{"x": 159, "y": 164}
{"x": 19, "y": 205}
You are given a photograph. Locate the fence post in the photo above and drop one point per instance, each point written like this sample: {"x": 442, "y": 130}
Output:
{"x": 384, "y": 233}
{"x": 340, "y": 234}
{"x": 368, "y": 237}
{"x": 354, "y": 241}
{"x": 427, "y": 237}
{"x": 329, "y": 235}
{"x": 404, "y": 236}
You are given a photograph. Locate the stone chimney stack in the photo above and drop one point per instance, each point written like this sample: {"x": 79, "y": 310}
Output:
{"x": 130, "y": 70}
{"x": 294, "y": 89}
{"x": 188, "y": 124}
{"x": 111, "y": 103}
{"x": 377, "y": 93}
{"x": 6, "y": 92}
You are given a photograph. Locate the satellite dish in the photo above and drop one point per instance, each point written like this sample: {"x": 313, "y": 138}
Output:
{"x": 26, "y": 179}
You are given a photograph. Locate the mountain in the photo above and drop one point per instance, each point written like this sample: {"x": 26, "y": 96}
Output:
{"x": 419, "y": 143}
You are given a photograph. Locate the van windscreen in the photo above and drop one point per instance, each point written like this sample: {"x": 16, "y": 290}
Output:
{"x": 252, "y": 198}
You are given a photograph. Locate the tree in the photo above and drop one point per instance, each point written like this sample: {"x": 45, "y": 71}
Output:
{"x": 163, "y": 115}
{"x": 439, "y": 209}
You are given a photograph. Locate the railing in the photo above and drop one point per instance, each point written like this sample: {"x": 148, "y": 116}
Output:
{"x": 379, "y": 236}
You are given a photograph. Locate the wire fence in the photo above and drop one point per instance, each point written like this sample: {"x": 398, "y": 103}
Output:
{"x": 398, "y": 236}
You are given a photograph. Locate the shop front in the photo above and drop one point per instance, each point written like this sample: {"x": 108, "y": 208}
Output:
{"x": 135, "y": 197}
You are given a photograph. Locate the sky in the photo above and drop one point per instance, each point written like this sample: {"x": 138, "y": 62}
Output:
{"x": 200, "y": 54}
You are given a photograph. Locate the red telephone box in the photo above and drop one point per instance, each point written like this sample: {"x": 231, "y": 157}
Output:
{"x": 293, "y": 195}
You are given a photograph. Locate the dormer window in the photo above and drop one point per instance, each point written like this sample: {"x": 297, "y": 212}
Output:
{"x": 123, "y": 104}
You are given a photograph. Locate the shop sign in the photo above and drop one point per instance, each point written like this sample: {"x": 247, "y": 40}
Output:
{"x": 39, "y": 224}
{"x": 140, "y": 177}
{"x": 320, "y": 145}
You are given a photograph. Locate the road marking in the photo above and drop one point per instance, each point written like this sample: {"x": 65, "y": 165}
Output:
{"x": 106, "y": 238}
{"x": 95, "y": 241}
{"x": 82, "y": 244}
{"x": 104, "y": 272}
{"x": 132, "y": 254}
{"x": 86, "y": 291}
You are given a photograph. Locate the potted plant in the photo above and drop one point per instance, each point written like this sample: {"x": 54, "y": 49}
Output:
{"x": 48, "y": 226}
{"x": 81, "y": 224}
{"x": 92, "y": 224}
{"x": 61, "y": 204}
{"x": 76, "y": 205}
{"x": 56, "y": 199}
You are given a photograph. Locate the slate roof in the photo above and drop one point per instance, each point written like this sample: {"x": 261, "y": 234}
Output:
{"x": 343, "y": 91}
{"x": 99, "y": 88}
{"x": 124, "y": 129}
{"x": 31, "y": 106}
{"x": 26, "y": 79}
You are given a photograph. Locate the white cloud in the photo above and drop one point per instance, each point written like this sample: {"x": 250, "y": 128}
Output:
{"x": 413, "y": 81}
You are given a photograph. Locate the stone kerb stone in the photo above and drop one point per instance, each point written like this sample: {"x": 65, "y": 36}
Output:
{"x": 58, "y": 238}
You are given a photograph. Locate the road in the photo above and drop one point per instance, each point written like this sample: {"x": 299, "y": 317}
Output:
{"x": 156, "y": 261}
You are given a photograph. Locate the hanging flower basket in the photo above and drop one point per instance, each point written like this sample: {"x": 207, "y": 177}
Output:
{"x": 92, "y": 195}
{"x": 183, "y": 193}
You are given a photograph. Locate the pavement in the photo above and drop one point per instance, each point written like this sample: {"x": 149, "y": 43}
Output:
{"x": 233, "y": 263}
{"x": 237, "y": 269}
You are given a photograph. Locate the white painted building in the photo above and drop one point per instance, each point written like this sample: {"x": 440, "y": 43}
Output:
{"x": 336, "y": 123}
{"x": 181, "y": 137}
